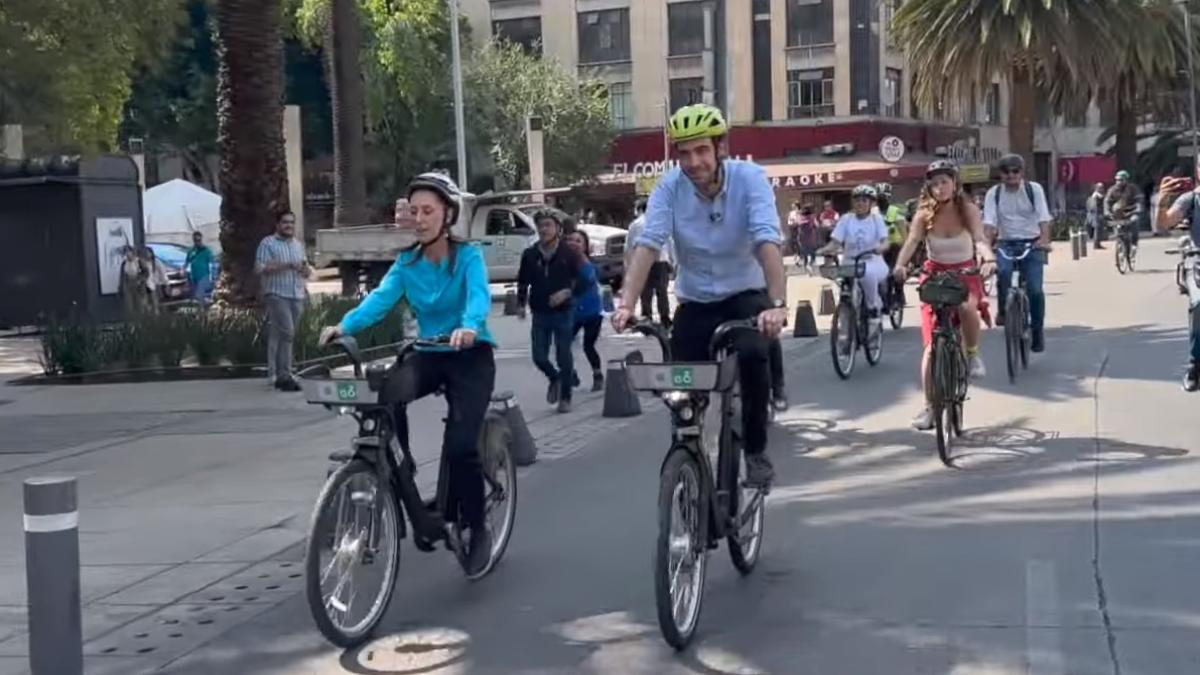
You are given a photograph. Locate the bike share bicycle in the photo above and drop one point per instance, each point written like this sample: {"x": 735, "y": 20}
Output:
{"x": 1018, "y": 334}
{"x": 696, "y": 509}
{"x": 1187, "y": 277}
{"x": 852, "y": 326}
{"x": 948, "y": 376}
{"x": 1124, "y": 250}
{"x": 375, "y": 488}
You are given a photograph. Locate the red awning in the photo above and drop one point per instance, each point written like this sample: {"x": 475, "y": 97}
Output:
{"x": 839, "y": 175}
{"x": 1087, "y": 169}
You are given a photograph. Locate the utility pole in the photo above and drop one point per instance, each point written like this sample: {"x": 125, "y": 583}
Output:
{"x": 459, "y": 130}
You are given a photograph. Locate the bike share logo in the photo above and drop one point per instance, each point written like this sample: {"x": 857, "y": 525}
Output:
{"x": 347, "y": 391}
{"x": 682, "y": 377}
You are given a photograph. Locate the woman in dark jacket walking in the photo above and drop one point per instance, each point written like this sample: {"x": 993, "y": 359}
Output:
{"x": 589, "y": 311}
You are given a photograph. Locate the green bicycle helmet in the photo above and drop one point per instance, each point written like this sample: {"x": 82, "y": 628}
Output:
{"x": 1122, "y": 175}
{"x": 697, "y": 121}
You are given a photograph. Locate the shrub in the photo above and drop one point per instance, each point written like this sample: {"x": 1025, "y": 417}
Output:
{"x": 244, "y": 336}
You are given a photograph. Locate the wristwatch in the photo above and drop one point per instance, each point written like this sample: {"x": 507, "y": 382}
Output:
{"x": 776, "y": 303}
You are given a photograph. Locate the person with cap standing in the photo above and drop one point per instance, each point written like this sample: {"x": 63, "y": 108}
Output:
{"x": 1015, "y": 213}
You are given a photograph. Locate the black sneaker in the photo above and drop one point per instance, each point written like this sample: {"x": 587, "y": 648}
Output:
{"x": 779, "y": 401}
{"x": 1191, "y": 378}
{"x": 552, "y": 392}
{"x": 759, "y": 472}
{"x": 597, "y": 381}
{"x": 1038, "y": 343}
{"x": 287, "y": 384}
{"x": 479, "y": 552}
{"x": 999, "y": 318}
{"x": 575, "y": 379}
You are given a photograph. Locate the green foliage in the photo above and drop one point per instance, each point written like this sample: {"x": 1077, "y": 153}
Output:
{"x": 66, "y": 65}
{"x": 505, "y": 84}
{"x": 245, "y": 337}
{"x": 73, "y": 346}
{"x": 205, "y": 337}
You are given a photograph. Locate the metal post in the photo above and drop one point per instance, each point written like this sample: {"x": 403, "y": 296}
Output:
{"x": 1187, "y": 29}
{"x": 460, "y": 136}
{"x": 52, "y": 576}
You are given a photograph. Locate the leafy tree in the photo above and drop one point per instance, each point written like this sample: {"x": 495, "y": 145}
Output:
{"x": 505, "y": 84}
{"x": 174, "y": 107}
{"x": 66, "y": 66}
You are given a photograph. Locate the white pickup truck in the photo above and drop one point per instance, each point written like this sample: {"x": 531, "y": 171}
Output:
{"x": 501, "y": 222}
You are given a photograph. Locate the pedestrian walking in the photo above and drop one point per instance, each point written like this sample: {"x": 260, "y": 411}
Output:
{"x": 549, "y": 277}
{"x": 199, "y": 269}
{"x": 1095, "y": 215}
{"x": 282, "y": 269}
{"x": 808, "y": 240}
{"x": 827, "y": 220}
{"x": 156, "y": 279}
{"x": 658, "y": 283}
{"x": 589, "y": 312}
{"x": 132, "y": 285}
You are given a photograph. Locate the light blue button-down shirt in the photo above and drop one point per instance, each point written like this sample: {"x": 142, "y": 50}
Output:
{"x": 714, "y": 239}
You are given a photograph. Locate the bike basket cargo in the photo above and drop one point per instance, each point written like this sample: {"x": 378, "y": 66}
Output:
{"x": 943, "y": 289}
{"x": 704, "y": 376}
{"x": 844, "y": 271}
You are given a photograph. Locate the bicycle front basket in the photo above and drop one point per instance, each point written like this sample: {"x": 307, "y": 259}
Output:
{"x": 844, "y": 271}
{"x": 943, "y": 289}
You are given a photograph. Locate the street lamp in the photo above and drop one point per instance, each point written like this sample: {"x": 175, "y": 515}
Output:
{"x": 1187, "y": 29}
{"x": 460, "y": 137}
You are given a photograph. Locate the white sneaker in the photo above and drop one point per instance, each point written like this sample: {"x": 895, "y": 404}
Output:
{"x": 978, "y": 369}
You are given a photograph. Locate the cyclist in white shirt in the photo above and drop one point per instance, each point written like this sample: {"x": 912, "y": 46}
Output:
{"x": 860, "y": 231}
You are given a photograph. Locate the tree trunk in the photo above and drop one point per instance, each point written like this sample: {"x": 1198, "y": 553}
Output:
{"x": 1021, "y": 112}
{"x": 253, "y": 170}
{"x": 1127, "y": 124}
{"x": 346, "y": 93}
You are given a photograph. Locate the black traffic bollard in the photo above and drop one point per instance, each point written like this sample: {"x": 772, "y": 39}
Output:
{"x": 52, "y": 576}
{"x": 828, "y": 301}
{"x": 620, "y": 400}
{"x": 806, "y": 323}
{"x": 524, "y": 449}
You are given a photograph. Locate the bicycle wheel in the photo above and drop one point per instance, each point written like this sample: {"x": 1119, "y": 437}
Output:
{"x": 1119, "y": 251}
{"x": 945, "y": 378}
{"x": 499, "y": 485}
{"x": 872, "y": 333}
{"x": 748, "y": 508}
{"x": 357, "y": 519}
{"x": 1129, "y": 256}
{"x": 681, "y": 554}
{"x": 896, "y": 303}
{"x": 1012, "y": 337}
{"x": 843, "y": 343}
{"x": 1026, "y": 331}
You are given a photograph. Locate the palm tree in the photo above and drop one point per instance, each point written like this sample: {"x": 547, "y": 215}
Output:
{"x": 343, "y": 46}
{"x": 253, "y": 170}
{"x": 955, "y": 45}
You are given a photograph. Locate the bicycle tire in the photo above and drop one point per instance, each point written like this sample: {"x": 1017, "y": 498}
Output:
{"x": 1129, "y": 257}
{"x": 1024, "y": 333}
{"x": 843, "y": 320}
{"x": 1013, "y": 334}
{"x": 896, "y": 304}
{"x": 314, "y": 591}
{"x": 679, "y": 464}
{"x": 957, "y": 418}
{"x": 497, "y": 462}
{"x": 745, "y": 557}
{"x": 1119, "y": 252}
{"x": 874, "y": 353}
{"x": 941, "y": 363}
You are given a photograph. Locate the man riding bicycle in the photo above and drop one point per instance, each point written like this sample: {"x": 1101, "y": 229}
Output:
{"x": 1015, "y": 213}
{"x": 1186, "y": 207}
{"x": 721, "y": 215}
{"x": 1123, "y": 202}
{"x": 445, "y": 283}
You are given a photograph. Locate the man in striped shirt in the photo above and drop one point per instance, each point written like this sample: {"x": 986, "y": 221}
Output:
{"x": 282, "y": 269}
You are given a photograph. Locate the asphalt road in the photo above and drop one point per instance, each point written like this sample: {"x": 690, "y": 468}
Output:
{"x": 1065, "y": 542}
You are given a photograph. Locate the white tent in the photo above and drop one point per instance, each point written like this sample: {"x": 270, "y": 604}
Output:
{"x": 177, "y": 208}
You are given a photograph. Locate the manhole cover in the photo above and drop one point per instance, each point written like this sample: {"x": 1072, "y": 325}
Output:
{"x": 418, "y": 650}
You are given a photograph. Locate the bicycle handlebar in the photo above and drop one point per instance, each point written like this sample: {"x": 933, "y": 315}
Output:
{"x": 1028, "y": 247}
{"x": 650, "y": 329}
{"x": 720, "y": 335}
{"x": 349, "y": 345}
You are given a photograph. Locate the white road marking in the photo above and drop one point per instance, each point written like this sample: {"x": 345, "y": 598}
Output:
{"x": 1043, "y": 653}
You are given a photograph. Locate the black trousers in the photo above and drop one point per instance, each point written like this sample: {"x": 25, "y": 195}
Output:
{"x": 694, "y": 325}
{"x": 468, "y": 377}
{"x": 656, "y": 287}
{"x": 591, "y": 332}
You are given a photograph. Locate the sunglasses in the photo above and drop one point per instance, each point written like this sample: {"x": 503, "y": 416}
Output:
{"x": 1010, "y": 172}
{"x": 287, "y": 221}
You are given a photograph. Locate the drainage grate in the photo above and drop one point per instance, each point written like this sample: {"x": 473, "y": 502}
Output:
{"x": 170, "y": 631}
{"x": 265, "y": 583}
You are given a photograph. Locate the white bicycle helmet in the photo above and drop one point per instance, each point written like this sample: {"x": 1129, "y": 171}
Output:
{"x": 444, "y": 187}
{"x": 865, "y": 190}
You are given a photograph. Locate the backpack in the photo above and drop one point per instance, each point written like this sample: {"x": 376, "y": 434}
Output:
{"x": 1028, "y": 193}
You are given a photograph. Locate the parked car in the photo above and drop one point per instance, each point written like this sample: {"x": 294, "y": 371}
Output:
{"x": 173, "y": 258}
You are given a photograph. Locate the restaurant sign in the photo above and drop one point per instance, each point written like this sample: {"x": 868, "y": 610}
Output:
{"x": 625, "y": 170}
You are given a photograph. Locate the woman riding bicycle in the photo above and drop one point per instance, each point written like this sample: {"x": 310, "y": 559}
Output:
{"x": 952, "y": 230}
{"x": 445, "y": 283}
{"x": 858, "y": 232}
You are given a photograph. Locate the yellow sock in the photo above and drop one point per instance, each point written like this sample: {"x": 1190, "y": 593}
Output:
{"x": 972, "y": 351}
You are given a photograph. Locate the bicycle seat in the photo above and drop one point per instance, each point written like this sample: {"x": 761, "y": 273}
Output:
{"x": 376, "y": 375}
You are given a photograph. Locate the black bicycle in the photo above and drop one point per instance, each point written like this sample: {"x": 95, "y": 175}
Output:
{"x": 1124, "y": 249}
{"x": 695, "y": 508}
{"x": 1184, "y": 249}
{"x": 1018, "y": 333}
{"x": 354, "y": 536}
{"x": 1187, "y": 276}
{"x": 948, "y": 374}
{"x": 852, "y": 325}
{"x": 893, "y": 301}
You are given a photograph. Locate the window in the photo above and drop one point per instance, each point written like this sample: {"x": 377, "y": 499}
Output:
{"x": 809, "y": 22}
{"x": 499, "y": 223}
{"x": 888, "y": 15}
{"x": 810, "y": 93}
{"x": 685, "y": 28}
{"x": 525, "y": 32}
{"x": 604, "y": 36}
{"x": 891, "y": 92}
{"x": 620, "y": 104}
{"x": 991, "y": 106}
{"x": 686, "y": 91}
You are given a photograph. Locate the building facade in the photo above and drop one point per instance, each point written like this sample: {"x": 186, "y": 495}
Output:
{"x": 809, "y": 86}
